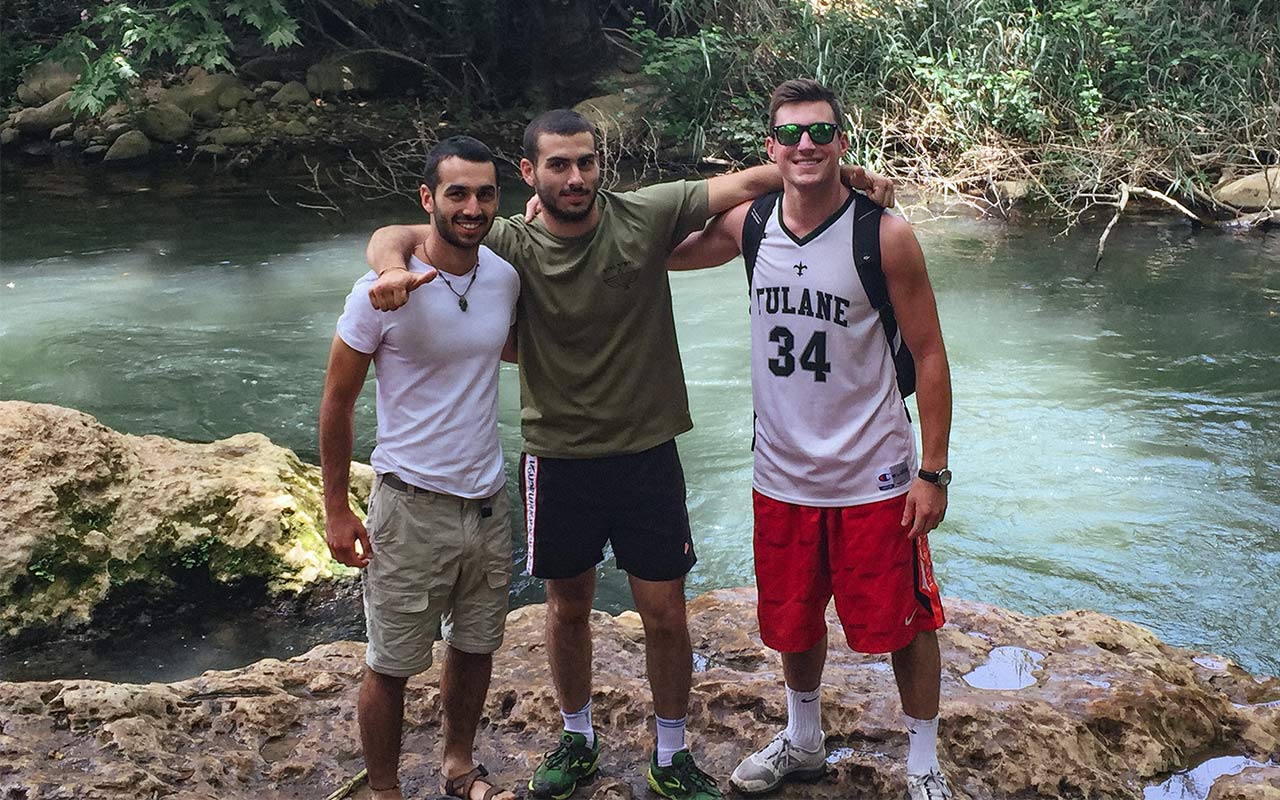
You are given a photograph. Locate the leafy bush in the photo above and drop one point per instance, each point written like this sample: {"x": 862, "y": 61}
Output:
{"x": 1083, "y": 93}
{"x": 117, "y": 40}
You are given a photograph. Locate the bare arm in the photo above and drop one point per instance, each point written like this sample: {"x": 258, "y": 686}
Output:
{"x": 727, "y": 191}
{"x": 732, "y": 189}
{"x": 388, "y": 251}
{"x": 510, "y": 349}
{"x": 917, "y": 312}
{"x": 390, "y": 246}
{"x": 342, "y": 383}
{"x": 712, "y": 246}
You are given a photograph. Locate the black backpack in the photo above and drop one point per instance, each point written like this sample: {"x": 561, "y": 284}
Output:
{"x": 866, "y": 256}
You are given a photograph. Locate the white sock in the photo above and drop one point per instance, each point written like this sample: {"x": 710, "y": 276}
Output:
{"x": 923, "y": 755}
{"x": 580, "y": 722}
{"x": 670, "y": 739}
{"x": 804, "y": 718}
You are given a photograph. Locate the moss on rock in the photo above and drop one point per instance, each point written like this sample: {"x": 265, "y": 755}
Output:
{"x": 90, "y": 512}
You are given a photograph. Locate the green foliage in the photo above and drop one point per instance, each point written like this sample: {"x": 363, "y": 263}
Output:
{"x": 29, "y": 28}
{"x": 117, "y": 41}
{"x": 1156, "y": 84}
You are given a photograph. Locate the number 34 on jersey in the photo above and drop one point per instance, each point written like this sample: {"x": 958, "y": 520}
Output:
{"x": 800, "y": 302}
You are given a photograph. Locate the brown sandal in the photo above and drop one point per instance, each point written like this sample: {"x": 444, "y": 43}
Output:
{"x": 461, "y": 785}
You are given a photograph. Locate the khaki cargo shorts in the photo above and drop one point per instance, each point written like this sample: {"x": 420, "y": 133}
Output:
{"x": 441, "y": 564}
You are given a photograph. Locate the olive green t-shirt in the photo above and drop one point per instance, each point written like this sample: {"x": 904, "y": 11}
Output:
{"x": 600, "y": 371}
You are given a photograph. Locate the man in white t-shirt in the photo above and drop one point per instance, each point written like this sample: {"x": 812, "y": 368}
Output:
{"x": 436, "y": 548}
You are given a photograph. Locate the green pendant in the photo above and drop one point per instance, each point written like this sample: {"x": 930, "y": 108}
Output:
{"x": 462, "y": 303}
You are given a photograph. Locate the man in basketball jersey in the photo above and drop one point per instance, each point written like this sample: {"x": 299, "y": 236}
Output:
{"x": 842, "y": 506}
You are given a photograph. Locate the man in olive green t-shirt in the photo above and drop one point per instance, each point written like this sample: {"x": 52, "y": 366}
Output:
{"x": 602, "y": 400}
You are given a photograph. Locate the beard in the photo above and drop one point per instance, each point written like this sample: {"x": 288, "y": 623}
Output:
{"x": 446, "y": 230}
{"x": 550, "y": 204}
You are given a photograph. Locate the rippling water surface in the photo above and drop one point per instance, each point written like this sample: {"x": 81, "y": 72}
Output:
{"x": 1116, "y": 441}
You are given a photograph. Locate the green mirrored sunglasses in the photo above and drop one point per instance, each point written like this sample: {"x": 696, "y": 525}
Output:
{"x": 819, "y": 133}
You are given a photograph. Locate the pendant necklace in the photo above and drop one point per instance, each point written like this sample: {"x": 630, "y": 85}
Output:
{"x": 462, "y": 298}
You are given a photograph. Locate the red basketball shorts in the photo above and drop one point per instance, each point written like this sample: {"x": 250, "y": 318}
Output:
{"x": 881, "y": 580}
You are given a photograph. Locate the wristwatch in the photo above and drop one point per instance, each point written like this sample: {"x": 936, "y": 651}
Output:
{"x": 940, "y": 478}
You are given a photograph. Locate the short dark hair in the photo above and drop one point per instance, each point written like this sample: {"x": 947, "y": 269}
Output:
{"x": 802, "y": 90}
{"x": 466, "y": 148}
{"x": 561, "y": 122}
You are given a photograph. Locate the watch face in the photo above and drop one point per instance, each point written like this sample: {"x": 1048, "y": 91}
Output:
{"x": 944, "y": 477}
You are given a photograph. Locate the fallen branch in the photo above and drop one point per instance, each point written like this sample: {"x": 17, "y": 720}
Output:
{"x": 350, "y": 786}
{"x": 1141, "y": 192}
{"x": 1102, "y": 243}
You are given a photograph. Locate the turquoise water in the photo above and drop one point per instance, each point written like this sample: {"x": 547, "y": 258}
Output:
{"x": 1116, "y": 438}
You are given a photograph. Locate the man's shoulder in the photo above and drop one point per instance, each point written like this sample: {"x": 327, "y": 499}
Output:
{"x": 667, "y": 191}
{"x": 496, "y": 262}
{"x": 364, "y": 282}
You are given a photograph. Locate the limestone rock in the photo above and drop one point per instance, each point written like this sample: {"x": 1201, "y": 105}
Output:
{"x": 40, "y": 121}
{"x": 1253, "y": 192}
{"x": 86, "y": 510}
{"x": 269, "y": 87}
{"x": 201, "y": 93}
{"x": 165, "y": 122}
{"x": 232, "y": 96}
{"x": 233, "y": 136}
{"x": 1112, "y": 711}
{"x": 45, "y": 81}
{"x": 94, "y": 152}
{"x": 212, "y": 149}
{"x": 1258, "y": 783}
{"x": 344, "y": 73}
{"x": 8, "y": 136}
{"x": 621, "y": 117}
{"x": 115, "y": 130}
{"x": 62, "y": 132}
{"x": 37, "y": 149}
{"x": 292, "y": 93}
{"x": 131, "y": 145}
{"x": 1011, "y": 191}
{"x": 295, "y": 128}
{"x": 207, "y": 117}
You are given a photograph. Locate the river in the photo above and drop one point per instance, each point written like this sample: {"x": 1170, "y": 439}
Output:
{"x": 1116, "y": 441}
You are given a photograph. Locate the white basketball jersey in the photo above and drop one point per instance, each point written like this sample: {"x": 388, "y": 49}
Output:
{"x": 831, "y": 428}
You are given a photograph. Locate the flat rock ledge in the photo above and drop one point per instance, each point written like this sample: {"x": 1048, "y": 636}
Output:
{"x": 86, "y": 511}
{"x": 1109, "y": 711}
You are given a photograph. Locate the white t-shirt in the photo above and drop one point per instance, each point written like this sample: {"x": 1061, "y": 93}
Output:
{"x": 831, "y": 428}
{"x": 437, "y": 376}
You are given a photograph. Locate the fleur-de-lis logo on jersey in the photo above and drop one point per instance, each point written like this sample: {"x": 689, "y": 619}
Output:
{"x": 800, "y": 268}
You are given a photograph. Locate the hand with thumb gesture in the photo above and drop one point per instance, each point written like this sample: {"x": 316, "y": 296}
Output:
{"x": 391, "y": 290}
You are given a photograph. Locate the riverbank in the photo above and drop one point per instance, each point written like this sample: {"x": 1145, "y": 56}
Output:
{"x": 1068, "y": 705}
{"x": 341, "y": 138}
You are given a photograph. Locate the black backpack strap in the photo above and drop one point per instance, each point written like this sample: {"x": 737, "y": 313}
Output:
{"x": 866, "y": 257}
{"x": 752, "y": 235}
{"x": 753, "y": 230}
{"x": 866, "y": 251}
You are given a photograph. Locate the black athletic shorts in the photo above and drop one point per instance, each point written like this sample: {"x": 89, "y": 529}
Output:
{"x": 573, "y": 506}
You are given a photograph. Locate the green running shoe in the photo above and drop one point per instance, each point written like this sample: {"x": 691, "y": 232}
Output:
{"x": 561, "y": 769}
{"x": 682, "y": 780}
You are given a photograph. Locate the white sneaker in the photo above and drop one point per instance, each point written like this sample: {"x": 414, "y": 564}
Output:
{"x": 932, "y": 785}
{"x": 776, "y": 762}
